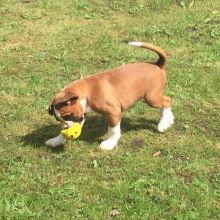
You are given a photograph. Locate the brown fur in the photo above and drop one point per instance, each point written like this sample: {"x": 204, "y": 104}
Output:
{"x": 112, "y": 92}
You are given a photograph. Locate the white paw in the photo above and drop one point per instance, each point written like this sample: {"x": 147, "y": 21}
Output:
{"x": 167, "y": 119}
{"x": 162, "y": 126}
{"x": 108, "y": 144}
{"x": 57, "y": 141}
{"x": 114, "y": 134}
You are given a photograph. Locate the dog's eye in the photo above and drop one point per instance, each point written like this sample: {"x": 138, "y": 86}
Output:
{"x": 62, "y": 104}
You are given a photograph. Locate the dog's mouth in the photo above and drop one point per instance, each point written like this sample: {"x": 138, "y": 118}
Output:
{"x": 71, "y": 117}
{"x": 69, "y": 120}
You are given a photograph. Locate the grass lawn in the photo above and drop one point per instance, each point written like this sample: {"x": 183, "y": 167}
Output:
{"x": 45, "y": 45}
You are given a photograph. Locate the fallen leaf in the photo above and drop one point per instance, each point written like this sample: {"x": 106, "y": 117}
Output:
{"x": 114, "y": 212}
{"x": 95, "y": 163}
{"x": 157, "y": 154}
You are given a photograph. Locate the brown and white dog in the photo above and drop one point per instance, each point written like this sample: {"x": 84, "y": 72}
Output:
{"x": 112, "y": 92}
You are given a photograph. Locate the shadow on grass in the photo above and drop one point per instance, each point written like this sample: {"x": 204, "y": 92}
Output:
{"x": 94, "y": 128}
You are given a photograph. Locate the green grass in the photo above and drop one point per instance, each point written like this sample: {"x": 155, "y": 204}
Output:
{"x": 45, "y": 45}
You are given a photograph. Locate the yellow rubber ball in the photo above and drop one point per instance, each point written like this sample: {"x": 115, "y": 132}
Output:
{"x": 73, "y": 132}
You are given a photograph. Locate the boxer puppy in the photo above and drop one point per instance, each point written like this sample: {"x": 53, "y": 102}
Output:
{"x": 111, "y": 92}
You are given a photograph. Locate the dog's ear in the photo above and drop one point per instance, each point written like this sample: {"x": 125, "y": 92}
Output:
{"x": 65, "y": 98}
{"x": 51, "y": 108}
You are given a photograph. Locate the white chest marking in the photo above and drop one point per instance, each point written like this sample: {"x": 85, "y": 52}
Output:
{"x": 85, "y": 106}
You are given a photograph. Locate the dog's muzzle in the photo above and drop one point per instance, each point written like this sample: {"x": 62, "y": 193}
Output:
{"x": 71, "y": 117}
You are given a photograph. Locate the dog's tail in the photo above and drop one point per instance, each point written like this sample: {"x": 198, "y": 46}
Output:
{"x": 161, "y": 53}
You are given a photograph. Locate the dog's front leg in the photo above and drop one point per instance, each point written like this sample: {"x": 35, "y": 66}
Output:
{"x": 60, "y": 139}
{"x": 114, "y": 134}
{"x": 57, "y": 141}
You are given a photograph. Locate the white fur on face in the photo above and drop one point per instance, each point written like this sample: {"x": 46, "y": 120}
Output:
{"x": 114, "y": 134}
{"x": 58, "y": 115}
{"x": 65, "y": 124}
{"x": 57, "y": 141}
{"x": 166, "y": 119}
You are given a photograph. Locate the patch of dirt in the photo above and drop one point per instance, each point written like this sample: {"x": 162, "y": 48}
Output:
{"x": 137, "y": 143}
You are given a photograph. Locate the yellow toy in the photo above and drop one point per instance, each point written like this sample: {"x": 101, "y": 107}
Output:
{"x": 73, "y": 132}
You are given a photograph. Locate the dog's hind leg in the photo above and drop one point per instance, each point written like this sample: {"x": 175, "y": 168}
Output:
{"x": 166, "y": 115}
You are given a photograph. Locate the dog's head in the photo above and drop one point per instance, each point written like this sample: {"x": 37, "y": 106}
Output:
{"x": 66, "y": 106}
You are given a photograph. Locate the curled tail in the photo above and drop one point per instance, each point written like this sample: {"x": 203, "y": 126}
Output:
{"x": 161, "y": 53}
